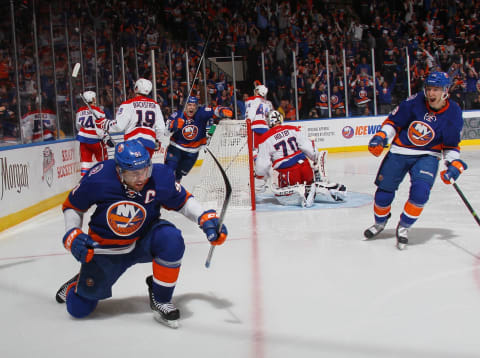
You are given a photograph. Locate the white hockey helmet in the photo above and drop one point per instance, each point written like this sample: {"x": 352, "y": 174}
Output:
{"x": 143, "y": 86}
{"x": 89, "y": 96}
{"x": 274, "y": 117}
{"x": 261, "y": 90}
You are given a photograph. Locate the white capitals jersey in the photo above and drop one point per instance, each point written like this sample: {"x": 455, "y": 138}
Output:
{"x": 85, "y": 123}
{"x": 140, "y": 118}
{"x": 282, "y": 147}
{"x": 256, "y": 109}
{"x": 37, "y": 127}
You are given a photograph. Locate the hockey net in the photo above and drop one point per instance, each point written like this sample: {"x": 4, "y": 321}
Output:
{"x": 231, "y": 145}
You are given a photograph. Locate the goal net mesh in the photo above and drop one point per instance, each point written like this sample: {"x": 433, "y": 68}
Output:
{"x": 229, "y": 144}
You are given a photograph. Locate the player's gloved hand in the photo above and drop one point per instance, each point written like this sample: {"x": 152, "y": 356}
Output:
{"x": 377, "y": 143}
{"x": 103, "y": 123}
{"x": 225, "y": 112}
{"x": 108, "y": 140}
{"x": 454, "y": 169}
{"x": 176, "y": 124}
{"x": 79, "y": 244}
{"x": 208, "y": 221}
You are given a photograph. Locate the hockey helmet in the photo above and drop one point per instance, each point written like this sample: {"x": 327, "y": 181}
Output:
{"x": 274, "y": 117}
{"x": 192, "y": 99}
{"x": 261, "y": 90}
{"x": 89, "y": 96}
{"x": 143, "y": 86}
{"x": 132, "y": 155}
{"x": 438, "y": 79}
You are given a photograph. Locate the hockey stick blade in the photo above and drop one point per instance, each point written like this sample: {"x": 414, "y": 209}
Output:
{"x": 76, "y": 68}
{"x": 228, "y": 193}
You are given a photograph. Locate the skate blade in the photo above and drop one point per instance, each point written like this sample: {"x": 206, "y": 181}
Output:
{"x": 169, "y": 323}
{"x": 401, "y": 246}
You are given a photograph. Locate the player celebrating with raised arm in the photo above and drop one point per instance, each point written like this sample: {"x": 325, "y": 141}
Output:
{"x": 188, "y": 130}
{"x": 126, "y": 229}
{"x": 90, "y": 135}
{"x": 286, "y": 149}
{"x": 424, "y": 127}
{"x": 140, "y": 118}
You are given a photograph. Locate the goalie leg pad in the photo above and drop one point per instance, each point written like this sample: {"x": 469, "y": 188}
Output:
{"x": 330, "y": 192}
{"x": 291, "y": 196}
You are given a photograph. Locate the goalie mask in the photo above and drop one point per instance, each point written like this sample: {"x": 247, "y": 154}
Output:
{"x": 89, "y": 96}
{"x": 143, "y": 86}
{"x": 274, "y": 118}
{"x": 134, "y": 165}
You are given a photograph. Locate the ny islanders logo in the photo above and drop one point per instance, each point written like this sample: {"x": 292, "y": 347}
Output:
{"x": 420, "y": 133}
{"x": 125, "y": 217}
{"x": 189, "y": 132}
{"x": 348, "y": 132}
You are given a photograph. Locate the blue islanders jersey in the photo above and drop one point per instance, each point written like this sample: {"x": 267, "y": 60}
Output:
{"x": 194, "y": 133}
{"x": 421, "y": 130}
{"x": 123, "y": 216}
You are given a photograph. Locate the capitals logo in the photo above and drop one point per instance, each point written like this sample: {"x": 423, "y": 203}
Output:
{"x": 348, "y": 132}
{"x": 420, "y": 133}
{"x": 189, "y": 132}
{"x": 125, "y": 217}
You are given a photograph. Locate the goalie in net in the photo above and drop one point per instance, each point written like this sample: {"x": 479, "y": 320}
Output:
{"x": 286, "y": 149}
{"x": 232, "y": 145}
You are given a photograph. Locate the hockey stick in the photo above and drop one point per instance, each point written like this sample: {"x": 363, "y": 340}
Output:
{"x": 465, "y": 201}
{"x": 228, "y": 193}
{"x": 107, "y": 138}
{"x": 198, "y": 67}
{"x": 319, "y": 164}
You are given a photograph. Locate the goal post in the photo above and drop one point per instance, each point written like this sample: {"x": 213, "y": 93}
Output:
{"x": 231, "y": 144}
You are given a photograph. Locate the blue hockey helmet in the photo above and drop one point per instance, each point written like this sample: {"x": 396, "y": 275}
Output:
{"x": 438, "y": 79}
{"x": 132, "y": 155}
{"x": 192, "y": 99}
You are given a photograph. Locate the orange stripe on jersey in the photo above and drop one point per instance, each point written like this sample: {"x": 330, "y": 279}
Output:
{"x": 381, "y": 211}
{"x": 181, "y": 206}
{"x": 68, "y": 205}
{"x": 388, "y": 121}
{"x": 103, "y": 241}
{"x": 412, "y": 210}
{"x": 168, "y": 275}
{"x": 195, "y": 144}
{"x": 444, "y": 108}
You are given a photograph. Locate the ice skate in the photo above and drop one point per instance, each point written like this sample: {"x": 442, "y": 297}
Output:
{"x": 375, "y": 229}
{"x": 61, "y": 295}
{"x": 402, "y": 237}
{"x": 164, "y": 312}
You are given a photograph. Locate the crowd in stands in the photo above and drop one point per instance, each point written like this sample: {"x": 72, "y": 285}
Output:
{"x": 437, "y": 34}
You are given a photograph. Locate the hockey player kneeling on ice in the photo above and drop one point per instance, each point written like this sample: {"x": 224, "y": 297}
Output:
{"x": 126, "y": 229}
{"x": 287, "y": 150}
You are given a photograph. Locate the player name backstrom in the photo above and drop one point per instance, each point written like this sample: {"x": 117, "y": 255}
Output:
{"x": 143, "y": 104}
{"x": 13, "y": 176}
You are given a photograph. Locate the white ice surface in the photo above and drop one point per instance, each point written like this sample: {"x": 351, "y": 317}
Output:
{"x": 297, "y": 283}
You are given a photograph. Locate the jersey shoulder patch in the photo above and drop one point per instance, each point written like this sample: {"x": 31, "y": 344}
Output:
{"x": 96, "y": 169}
{"x": 412, "y": 97}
